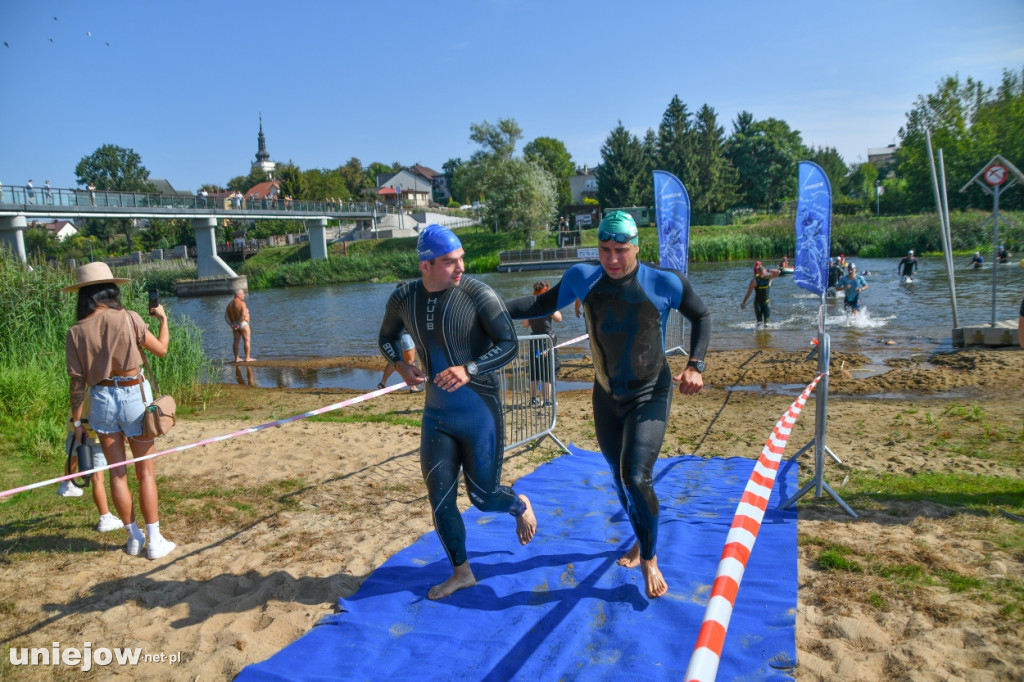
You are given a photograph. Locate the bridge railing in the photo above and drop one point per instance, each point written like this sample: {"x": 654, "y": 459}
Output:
{"x": 74, "y": 197}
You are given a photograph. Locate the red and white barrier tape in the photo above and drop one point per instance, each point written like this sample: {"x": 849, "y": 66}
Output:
{"x": 746, "y": 523}
{"x": 207, "y": 441}
{"x": 564, "y": 343}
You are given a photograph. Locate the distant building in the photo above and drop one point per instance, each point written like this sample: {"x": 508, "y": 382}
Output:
{"x": 269, "y": 190}
{"x": 263, "y": 161}
{"x": 438, "y": 182}
{"x": 583, "y": 185}
{"x": 164, "y": 188}
{"x": 883, "y": 158}
{"x": 62, "y": 229}
{"x": 405, "y": 186}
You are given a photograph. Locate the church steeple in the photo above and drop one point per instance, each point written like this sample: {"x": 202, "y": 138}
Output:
{"x": 262, "y": 155}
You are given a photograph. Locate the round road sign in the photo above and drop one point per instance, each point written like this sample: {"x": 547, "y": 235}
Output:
{"x": 995, "y": 174}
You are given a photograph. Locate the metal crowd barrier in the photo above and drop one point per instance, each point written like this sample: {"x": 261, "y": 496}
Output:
{"x": 526, "y": 422}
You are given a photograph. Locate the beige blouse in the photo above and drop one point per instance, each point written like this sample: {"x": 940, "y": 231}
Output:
{"x": 104, "y": 342}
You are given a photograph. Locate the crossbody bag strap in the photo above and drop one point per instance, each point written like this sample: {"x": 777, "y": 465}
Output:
{"x": 149, "y": 372}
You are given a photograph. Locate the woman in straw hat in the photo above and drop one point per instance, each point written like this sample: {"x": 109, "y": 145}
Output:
{"x": 104, "y": 357}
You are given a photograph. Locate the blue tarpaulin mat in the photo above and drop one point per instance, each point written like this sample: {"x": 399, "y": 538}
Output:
{"x": 561, "y": 608}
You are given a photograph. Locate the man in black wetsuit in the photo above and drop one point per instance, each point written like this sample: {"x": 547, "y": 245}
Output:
{"x": 463, "y": 333}
{"x": 908, "y": 266}
{"x": 626, "y": 305}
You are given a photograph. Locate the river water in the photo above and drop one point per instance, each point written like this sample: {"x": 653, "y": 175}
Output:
{"x": 342, "y": 320}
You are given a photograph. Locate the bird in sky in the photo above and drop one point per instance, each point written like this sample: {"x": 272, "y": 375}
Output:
{"x": 55, "y": 18}
{"x": 51, "y": 40}
{"x": 5, "y": 44}
{"x": 89, "y": 33}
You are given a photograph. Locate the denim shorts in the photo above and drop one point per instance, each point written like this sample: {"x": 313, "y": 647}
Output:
{"x": 406, "y": 342}
{"x": 118, "y": 408}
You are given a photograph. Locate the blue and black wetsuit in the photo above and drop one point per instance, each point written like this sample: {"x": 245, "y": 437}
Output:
{"x": 462, "y": 430}
{"x": 632, "y": 395}
{"x": 762, "y": 307}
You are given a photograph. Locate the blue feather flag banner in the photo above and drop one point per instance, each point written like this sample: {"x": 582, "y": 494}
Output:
{"x": 672, "y": 208}
{"x": 813, "y": 228}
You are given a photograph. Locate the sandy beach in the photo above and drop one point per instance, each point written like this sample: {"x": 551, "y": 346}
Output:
{"x": 298, "y": 516}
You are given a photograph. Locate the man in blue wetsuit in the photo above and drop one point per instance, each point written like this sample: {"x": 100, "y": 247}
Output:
{"x": 851, "y": 284}
{"x": 463, "y": 333}
{"x": 626, "y": 305}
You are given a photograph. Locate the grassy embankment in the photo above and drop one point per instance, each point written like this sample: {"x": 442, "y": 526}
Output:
{"x": 34, "y": 319}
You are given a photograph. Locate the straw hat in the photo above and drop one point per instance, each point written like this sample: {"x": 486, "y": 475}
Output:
{"x": 95, "y": 273}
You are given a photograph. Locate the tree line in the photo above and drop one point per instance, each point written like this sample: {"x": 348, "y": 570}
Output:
{"x": 753, "y": 168}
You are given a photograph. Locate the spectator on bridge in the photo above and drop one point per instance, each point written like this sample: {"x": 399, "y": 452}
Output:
{"x": 47, "y": 193}
{"x": 92, "y": 194}
{"x": 237, "y": 317}
{"x": 31, "y": 192}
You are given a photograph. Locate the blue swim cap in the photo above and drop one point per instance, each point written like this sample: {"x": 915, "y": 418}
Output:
{"x": 436, "y": 240}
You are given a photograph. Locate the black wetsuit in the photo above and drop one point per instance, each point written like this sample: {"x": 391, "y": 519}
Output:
{"x": 762, "y": 307}
{"x": 633, "y": 383}
{"x": 463, "y": 429}
{"x": 908, "y": 266}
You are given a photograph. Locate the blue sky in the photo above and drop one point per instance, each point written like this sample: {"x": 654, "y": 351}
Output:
{"x": 183, "y": 83}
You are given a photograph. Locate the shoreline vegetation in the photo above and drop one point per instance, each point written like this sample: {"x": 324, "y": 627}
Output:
{"x": 748, "y": 239}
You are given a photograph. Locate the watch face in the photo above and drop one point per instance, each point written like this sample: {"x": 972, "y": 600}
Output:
{"x": 471, "y": 369}
{"x": 697, "y": 365}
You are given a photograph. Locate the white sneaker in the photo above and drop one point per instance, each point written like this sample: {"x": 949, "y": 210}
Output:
{"x": 134, "y": 546}
{"x": 68, "y": 489}
{"x": 159, "y": 548}
{"x": 108, "y": 522}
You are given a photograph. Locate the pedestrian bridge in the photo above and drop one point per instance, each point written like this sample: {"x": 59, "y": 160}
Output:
{"x": 20, "y": 204}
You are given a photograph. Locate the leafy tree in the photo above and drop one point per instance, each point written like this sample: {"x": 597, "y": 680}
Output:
{"x": 114, "y": 168}
{"x": 293, "y": 182}
{"x": 456, "y": 174}
{"x": 352, "y": 174}
{"x": 40, "y": 243}
{"x": 551, "y": 155}
{"x": 520, "y": 197}
{"x": 499, "y": 141}
{"x": 622, "y": 171}
{"x": 118, "y": 169}
{"x": 832, "y": 163}
{"x": 713, "y": 186}
{"x": 948, "y": 114}
{"x": 243, "y": 183}
{"x": 766, "y": 155}
{"x": 374, "y": 170}
{"x": 324, "y": 184}
{"x": 859, "y": 185}
{"x": 675, "y": 145}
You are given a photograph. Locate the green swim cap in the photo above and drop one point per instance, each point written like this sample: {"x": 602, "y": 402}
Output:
{"x": 618, "y": 225}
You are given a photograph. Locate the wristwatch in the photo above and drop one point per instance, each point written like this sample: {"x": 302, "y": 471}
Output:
{"x": 471, "y": 368}
{"x": 76, "y": 423}
{"x": 697, "y": 365}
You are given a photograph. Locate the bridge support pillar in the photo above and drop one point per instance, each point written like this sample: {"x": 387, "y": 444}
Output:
{"x": 208, "y": 262}
{"x": 12, "y": 233}
{"x": 317, "y": 238}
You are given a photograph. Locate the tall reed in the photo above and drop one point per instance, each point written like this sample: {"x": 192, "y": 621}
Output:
{"x": 34, "y": 319}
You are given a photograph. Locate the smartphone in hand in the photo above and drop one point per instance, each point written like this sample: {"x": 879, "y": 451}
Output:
{"x": 154, "y": 298}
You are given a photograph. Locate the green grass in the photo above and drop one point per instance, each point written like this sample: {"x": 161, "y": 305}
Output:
{"x": 974, "y": 492}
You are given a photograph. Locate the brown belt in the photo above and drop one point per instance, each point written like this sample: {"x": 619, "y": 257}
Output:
{"x": 134, "y": 381}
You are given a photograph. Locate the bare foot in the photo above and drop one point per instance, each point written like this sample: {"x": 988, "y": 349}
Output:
{"x": 656, "y": 585}
{"x": 462, "y": 577}
{"x": 631, "y": 559}
{"x": 526, "y": 523}
{"x": 250, "y": 359}
{"x": 238, "y": 359}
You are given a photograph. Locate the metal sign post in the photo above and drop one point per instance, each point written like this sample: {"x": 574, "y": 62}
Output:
{"x": 997, "y": 175}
